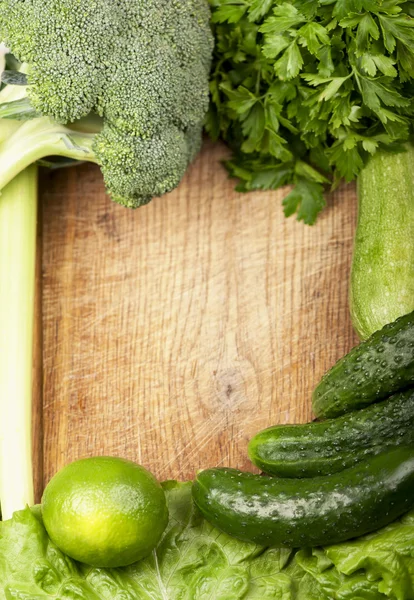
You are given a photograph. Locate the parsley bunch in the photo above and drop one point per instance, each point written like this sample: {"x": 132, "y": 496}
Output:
{"x": 305, "y": 90}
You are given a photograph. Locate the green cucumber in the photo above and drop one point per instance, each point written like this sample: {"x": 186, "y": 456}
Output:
{"x": 326, "y": 447}
{"x": 382, "y": 274}
{"x": 372, "y": 371}
{"x": 308, "y": 512}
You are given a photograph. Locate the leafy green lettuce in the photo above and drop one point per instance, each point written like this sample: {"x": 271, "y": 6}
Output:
{"x": 194, "y": 561}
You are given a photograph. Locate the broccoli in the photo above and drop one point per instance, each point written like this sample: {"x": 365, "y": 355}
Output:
{"x": 142, "y": 66}
{"x": 122, "y": 84}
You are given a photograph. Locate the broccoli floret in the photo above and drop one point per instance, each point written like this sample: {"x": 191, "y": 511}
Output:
{"x": 141, "y": 65}
{"x": 127, "y": 168}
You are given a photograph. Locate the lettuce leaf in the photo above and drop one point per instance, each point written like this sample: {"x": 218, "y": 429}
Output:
{"x": 386, "y": 557}
{"x": 194, "y": 561}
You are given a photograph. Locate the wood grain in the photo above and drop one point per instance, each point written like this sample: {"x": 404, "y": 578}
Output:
{"x": 173, "y": 333}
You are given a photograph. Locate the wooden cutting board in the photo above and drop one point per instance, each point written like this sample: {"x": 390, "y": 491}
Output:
{"x": 173, "y": 333}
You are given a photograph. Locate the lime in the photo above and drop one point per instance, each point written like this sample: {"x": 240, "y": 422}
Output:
{"x": 104, "y": 511}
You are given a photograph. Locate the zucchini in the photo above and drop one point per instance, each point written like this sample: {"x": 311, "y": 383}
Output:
{"x": 308, "y": 512}
{"x": 326, "y": 447}
{"x": 382, "y": 274}
{"x": 372, "y": 371}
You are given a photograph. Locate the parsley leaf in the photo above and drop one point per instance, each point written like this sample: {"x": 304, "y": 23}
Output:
{"x": 306, "y": 199}
{"x": 304, "y": 91}
{"x": 289, "y": 65}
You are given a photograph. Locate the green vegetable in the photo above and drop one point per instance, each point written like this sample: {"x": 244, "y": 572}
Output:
{"x": 194, "y": 561}
{"x": 304, "y": 92}
{"x": 325, "y": 447}
{"x": 141, "y": 65}
{"x": 382, "y": 279}
{"x": 308, "y": 512}
{"x": 373, "y": 370}
{"x": 18, "y": 214}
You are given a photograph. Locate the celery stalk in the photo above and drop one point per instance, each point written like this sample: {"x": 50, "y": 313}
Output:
{"x": 18, "y": 215}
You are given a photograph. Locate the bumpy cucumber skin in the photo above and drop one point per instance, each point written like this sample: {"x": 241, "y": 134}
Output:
{"x": 326, "y": 447}
{"x": 382, "y": 274}
{"x": 308, "y": 512}
{"x": 374, "y": 370}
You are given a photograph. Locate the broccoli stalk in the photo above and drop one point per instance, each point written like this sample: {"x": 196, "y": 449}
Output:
{"x": 37, "y": 139}
{"x": 26, "y": 138}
